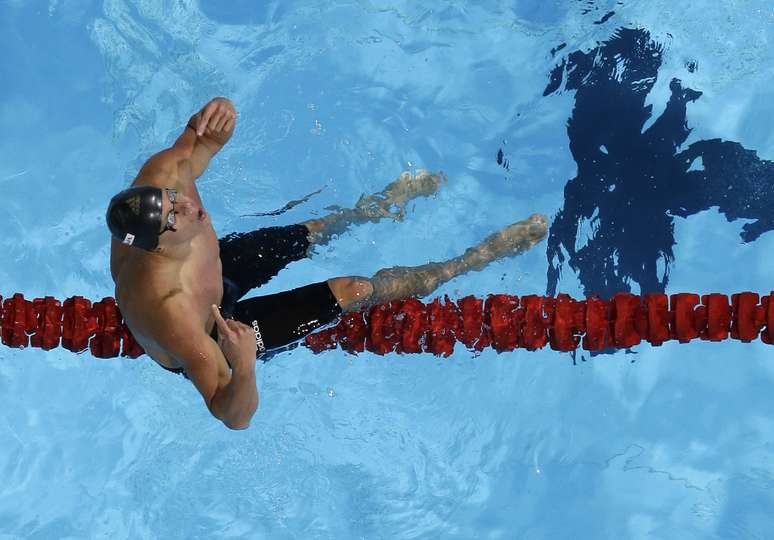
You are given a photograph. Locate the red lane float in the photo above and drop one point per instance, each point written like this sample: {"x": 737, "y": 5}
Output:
{"x": 503, "y": 322}
{"x": 507, "y": 322}
{"x": 76, "y": 325}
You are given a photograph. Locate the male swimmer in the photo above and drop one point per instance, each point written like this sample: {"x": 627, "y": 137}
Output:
{"x": 179, "y": 287}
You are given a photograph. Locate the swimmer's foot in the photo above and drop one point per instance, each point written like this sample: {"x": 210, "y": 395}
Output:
{"x": 513, "y": 240}
{"x": 389, "y": 203}
{"x": 402, "y": 282}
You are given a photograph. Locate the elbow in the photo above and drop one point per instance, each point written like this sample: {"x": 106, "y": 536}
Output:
{"x": 235, "y": 416}
{"x": 236, "y": 426}
{"x": 242, "y": 422}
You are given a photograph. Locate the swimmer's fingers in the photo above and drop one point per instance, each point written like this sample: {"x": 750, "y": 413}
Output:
{"x": 210, "y": 115}
{"x": 224, "y": 330}
{"x": 224, "y": 121}
{"x": 227, "y": 328}
{"x": 237, "y": 326}
{"x": 215, "y": 115}
{"x": 238, "y": 332}
{"x": 207, "y": 113}
{"x": 219, "y": 121}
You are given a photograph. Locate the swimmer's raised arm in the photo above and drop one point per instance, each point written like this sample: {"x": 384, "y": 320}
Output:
{"x": 206, "y": 133}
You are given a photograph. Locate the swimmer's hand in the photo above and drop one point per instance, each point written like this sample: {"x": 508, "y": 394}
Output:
{"x": 216, "y": 119}
{"x": 237, "y": 341}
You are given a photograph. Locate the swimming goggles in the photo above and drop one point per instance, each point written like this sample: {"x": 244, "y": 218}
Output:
{"x": 170, "y": 224}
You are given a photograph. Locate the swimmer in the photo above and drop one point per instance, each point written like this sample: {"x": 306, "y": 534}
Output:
{"x": 180, "y": 288}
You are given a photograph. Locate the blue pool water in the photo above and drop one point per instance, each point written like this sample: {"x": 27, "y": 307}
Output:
{"x": 644, "y": 137}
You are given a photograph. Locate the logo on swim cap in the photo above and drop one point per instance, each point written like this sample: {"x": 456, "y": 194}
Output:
{"x": 129, "y": 239}
{"x": 134, "y": 205}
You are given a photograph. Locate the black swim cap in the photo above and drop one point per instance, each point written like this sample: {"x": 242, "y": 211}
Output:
{"x": 134, "y": 216}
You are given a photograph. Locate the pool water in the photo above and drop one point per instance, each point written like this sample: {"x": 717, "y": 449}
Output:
{"x": 640, "y": 129}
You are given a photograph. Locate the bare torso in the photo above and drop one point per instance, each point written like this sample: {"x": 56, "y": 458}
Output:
{"x": 145, "y": 280}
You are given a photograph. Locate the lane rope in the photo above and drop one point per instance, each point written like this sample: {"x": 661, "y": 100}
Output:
{"x": 500, "y": 321}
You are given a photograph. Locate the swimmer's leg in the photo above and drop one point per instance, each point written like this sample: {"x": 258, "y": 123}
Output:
{"x": 280, "y": 319}
{"x": 251, "y": 259}
{"x": 388, "y": 203}
{"x": 400, "y": 282}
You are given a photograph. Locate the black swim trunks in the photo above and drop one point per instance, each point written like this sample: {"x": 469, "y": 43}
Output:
{"x": 279, "y": 320}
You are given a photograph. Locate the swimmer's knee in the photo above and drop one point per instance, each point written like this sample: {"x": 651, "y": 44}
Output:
{"x": 351, "y": 292}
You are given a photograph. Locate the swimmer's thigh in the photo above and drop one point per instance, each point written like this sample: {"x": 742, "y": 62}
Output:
{"x": 251, "y": 259}
{"x": 286, "y": 317}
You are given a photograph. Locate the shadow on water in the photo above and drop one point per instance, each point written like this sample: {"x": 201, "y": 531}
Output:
{"x": 631, "y": 183}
